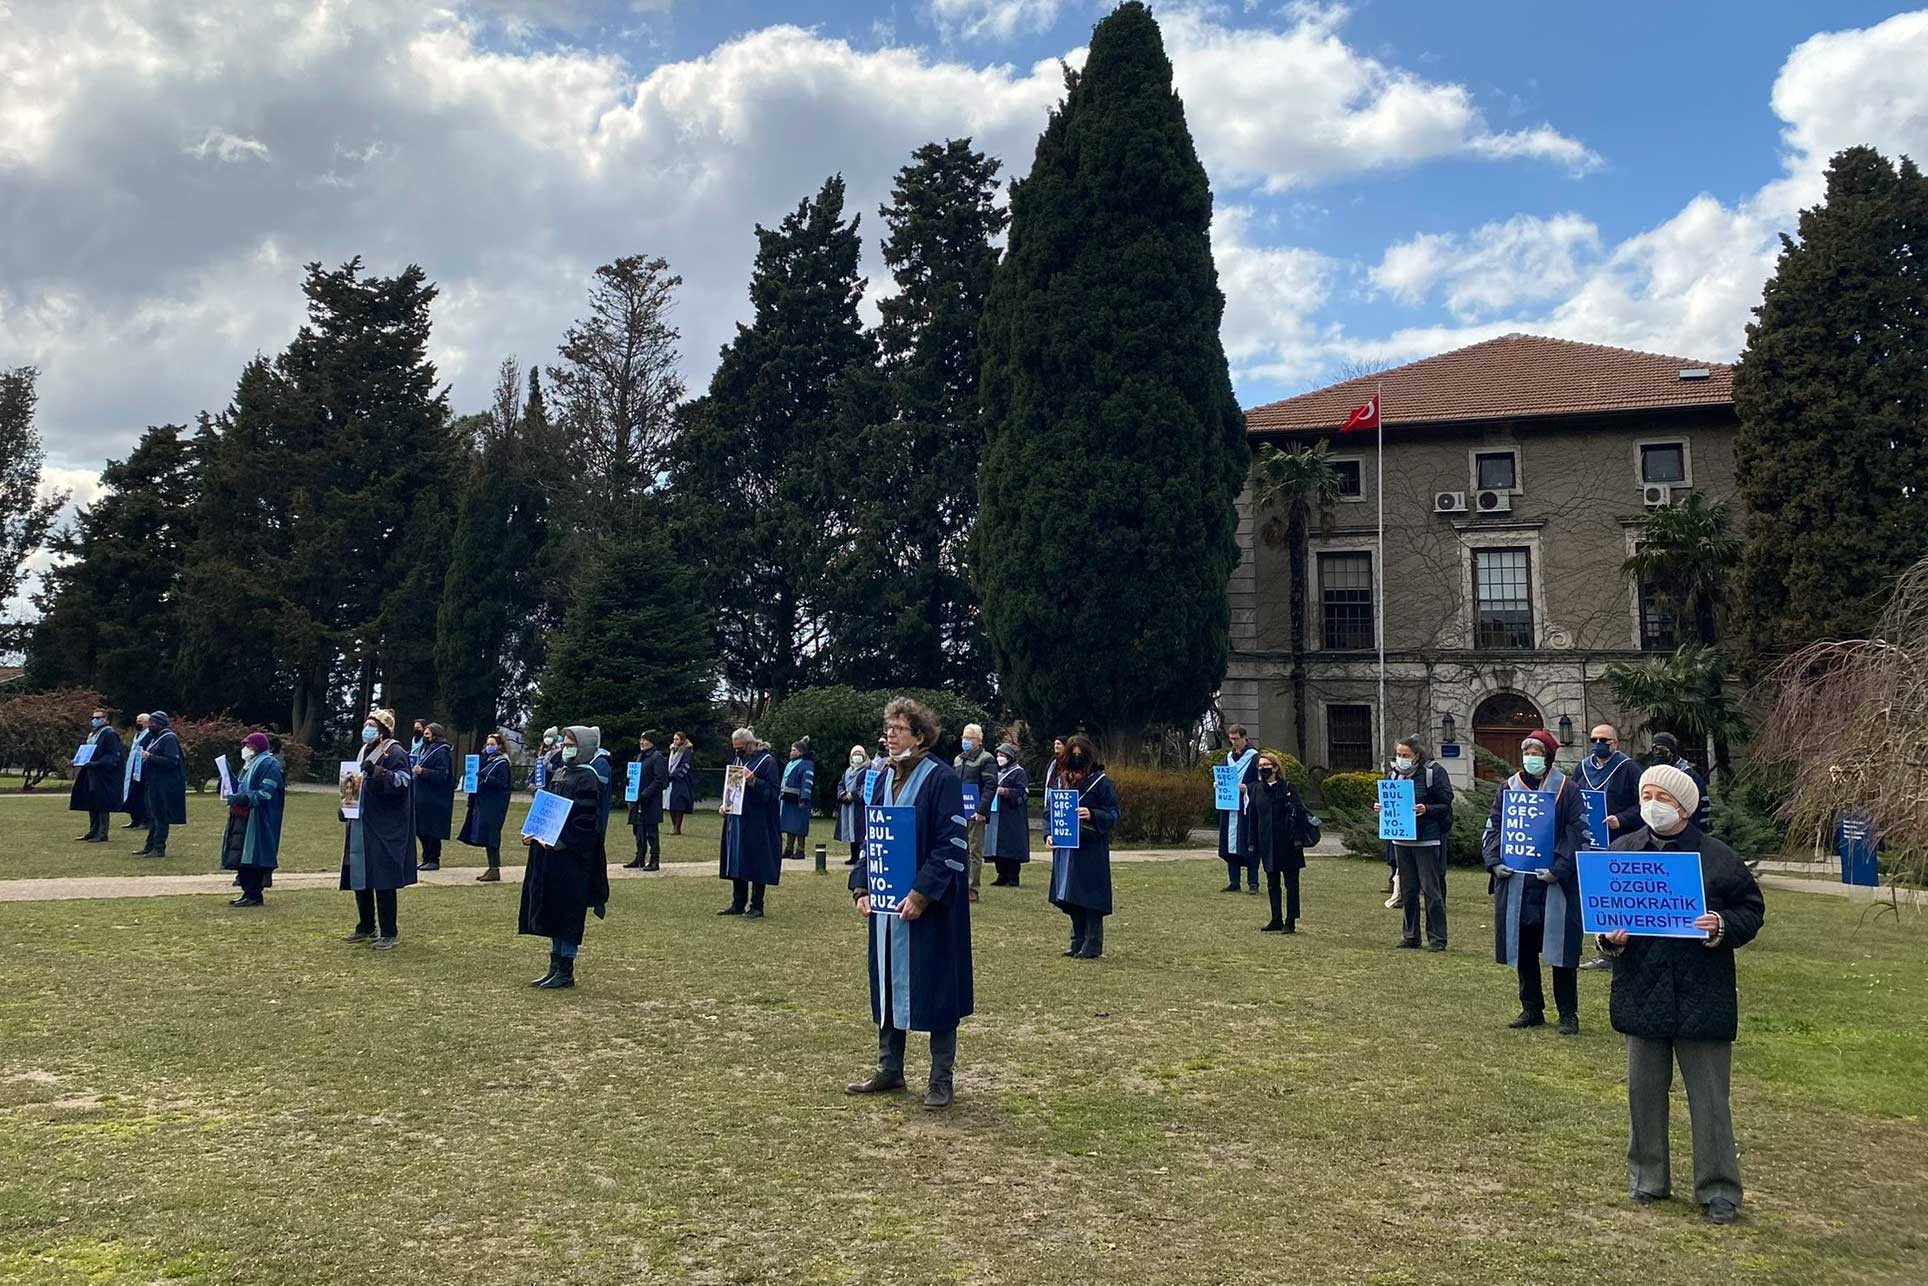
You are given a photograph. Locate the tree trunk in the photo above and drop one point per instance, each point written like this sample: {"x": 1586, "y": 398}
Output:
{"x": 1296, "y": 540}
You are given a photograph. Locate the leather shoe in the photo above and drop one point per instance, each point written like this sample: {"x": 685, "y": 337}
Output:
{"x": 245, "y": 900}
{"x": 359, "y": 935}
{"x": 428, "y": 866}
{"x": 491, "y": 876}
{"x": 1723, "y": 1212}
{"x": 753, "y": 913}
{"x": 938, "y": 1096}
{"x": 1648, "y": 1198}
{"x": 1528, "y": 1020}
{"x": 1435, "y": 946}
{"x": 731, "y": 910}
{"x": 879, "y": 1083}
{"x": 1404, "y": 945}
{"x": 1277, "y": 926}
{"x": 1230, "y": 888}
{"x": 1569, "y": 1024}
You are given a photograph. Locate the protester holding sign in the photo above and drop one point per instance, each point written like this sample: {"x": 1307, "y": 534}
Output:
{"x": 1615, "y": 776}
{"x": 1235, "y": 824}
{"x": 920, "y": 957}
{"x": 1536, "y": 912}
{"x": 378, "y": 846}
{"x": 850, "y": 804}
{"x": 163, "y": 774}
{"x": 681, "y": 800}
{"x": 434, "y": 769}
{"x": 251, "y": 841}
{"x": 489, "y": 806}
{"x": 1081, "y": 876}
{"x": 646, "y": 810}
{"x": 1419, "y": 863}
{"x": 132, "y": 792}
{"x": 97, "y": 783}
{"x": 1007, "y": 833}
{"x": 1279, "y": 821}
{"x": 566, "y": 880}
{"x": 1674, "y": 1000}
{"x": 799, "y": 798}
{"x": 751, "y": 856}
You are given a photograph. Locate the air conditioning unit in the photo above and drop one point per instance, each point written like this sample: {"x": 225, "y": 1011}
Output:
{"x": 1657, "y": 495}
{"x": 1494, "y": 502}
{"x": 1449, "y": 502}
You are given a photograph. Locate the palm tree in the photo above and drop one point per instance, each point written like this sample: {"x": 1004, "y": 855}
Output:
{"x": 1294, "y": 477}
{"x": 1685, "y": 553}
{"x": 1685, "y": 694}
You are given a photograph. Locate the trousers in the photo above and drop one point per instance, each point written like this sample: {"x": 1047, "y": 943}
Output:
{"x": 373, "y": 903}
{"x": 743, "y": 893}
{"x": 1566, "y": 982}
{"x": 891, "y": 1043}
{"x": 1705, "y": 1069}
{"x": 974, "y": 836}
{"x": 1290, "y": 878}
{"x": 1422, "y": 873}
{"x": 649, "y": 843}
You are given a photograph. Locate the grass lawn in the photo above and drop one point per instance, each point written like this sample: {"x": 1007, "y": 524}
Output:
{"x": 193, "y": 1094}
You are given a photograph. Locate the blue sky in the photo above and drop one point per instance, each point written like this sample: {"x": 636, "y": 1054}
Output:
{"x": 1391, "y": 178}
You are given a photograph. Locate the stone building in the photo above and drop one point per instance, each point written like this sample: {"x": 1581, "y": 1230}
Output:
{"x": 1518, "y": 475}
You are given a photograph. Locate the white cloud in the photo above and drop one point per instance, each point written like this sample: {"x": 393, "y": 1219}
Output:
{"x": 228, "y": 148}
{"x": 994, "y": 19}
{"x": 1272, "y": 295}
{"x": 1498, "y": 266}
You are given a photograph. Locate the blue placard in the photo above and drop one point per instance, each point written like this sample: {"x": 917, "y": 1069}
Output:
{"x": 1595, "y": 803}
{"x": 633, "y": 787}
{"x": 1526, "y": 829}
{"x": 870, "y": 783}
{"x": 1860, "y": 849}
{"x": 1398, "y": 810}
{"x": 1225, "y": 788}
{"x": 541, "y": 778}
{"x": 1061, "y": 818}
{"x": 1653, "y": 895}
{"x": 84, "y": 755}
{"x": 970, "y": 799}
{"x": 471, "y": 774}
{"x": 547, "y": 814}
{"x": 890, "y": 855}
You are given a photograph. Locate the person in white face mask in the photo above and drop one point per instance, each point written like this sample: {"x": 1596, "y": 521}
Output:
{"x": 1536, "y": 914}
{"x": 1674, "y": 1000}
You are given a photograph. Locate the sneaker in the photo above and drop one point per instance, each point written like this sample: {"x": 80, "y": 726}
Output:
{"x": 1569, "y": 1024}
{"x": 360, "y": 935}
{"x": 1277, "y": 926}
{"x": 1435, "y": 946}
{"x": 1648, "y": 1198}
{"x": 384, "y": 944}
{"x": 1405, "y": 944}
{"x": 1596, "y": 964}
{"x": 1527, "y": 1020}
{"x": 732, "y": 909}
{"x": 1723, "y": 1212}
{"x": 938, "y": 1097}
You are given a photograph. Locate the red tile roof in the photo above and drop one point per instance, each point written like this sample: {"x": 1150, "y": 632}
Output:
{"x": 1512, "y": 377}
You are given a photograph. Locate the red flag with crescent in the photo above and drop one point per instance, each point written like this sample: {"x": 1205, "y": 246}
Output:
{"x": 1363, "y": 417}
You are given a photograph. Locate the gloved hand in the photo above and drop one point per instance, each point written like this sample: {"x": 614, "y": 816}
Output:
{"x": 1504, "y": 871}
{"x": 1547, "y": 876}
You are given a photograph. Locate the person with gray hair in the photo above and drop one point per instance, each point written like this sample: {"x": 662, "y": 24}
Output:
{"x": 977, "y": 773}
{"x": 751, "y": 852}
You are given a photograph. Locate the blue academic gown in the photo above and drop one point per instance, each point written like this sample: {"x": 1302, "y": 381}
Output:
{"x": 799, "y": 794}
{"x": 1523, "y": 898}
{"x": 1007, "y": 836}
{"x": 489, "y": 805}
{"x": 920, "y": 970}
{"x": 850, "y": 805}
{"x": 435, "y": 791}
{"x": 752, "y": 847}
{"x": 259, "y": 797}
{"x": 605, "y": 770}
{"x": 682, "y": 789}
{"x": 1619, "y": 780}
{"x": 1081, "y": 876}
{"x": 164, "y": 777}
{"x": 133, "y": 792}
{"x": 97, "y": 785}
{"x": 1235, "y": 828}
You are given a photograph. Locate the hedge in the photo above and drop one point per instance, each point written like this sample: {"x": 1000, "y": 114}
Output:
{"x": 1351, "y": 792}
{"x": 1157, "y": 806}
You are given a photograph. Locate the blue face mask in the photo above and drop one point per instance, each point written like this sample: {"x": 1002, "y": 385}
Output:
{"x": 569, "y": 753}
{"x": 99, "y": 723}
{"x": 969, "y": 746}
{"x": 489, "y": 749}
{"x": 368, "y": 735}
{"x": 1533, "y": 765}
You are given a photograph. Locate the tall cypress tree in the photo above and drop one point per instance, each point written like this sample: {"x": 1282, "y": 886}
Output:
{"x": 903, "y": 613}
{"x": 110, "y": 613}
{"x": 1117, "y": 449}
{"x": 753, "y": 485}
{"x": 1832, "y": 393}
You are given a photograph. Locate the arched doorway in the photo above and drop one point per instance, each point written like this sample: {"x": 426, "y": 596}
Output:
{"x": 1498, "y": 724}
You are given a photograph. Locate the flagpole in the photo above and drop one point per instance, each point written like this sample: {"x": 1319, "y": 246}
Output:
{"x": 1379, "y": 598}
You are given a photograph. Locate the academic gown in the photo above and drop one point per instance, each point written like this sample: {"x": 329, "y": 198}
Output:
{"x": 133, "y": 791}
{"x": 752, "y": 846}
{"x": 1235, "y": 828}
{"x": 164, "y": 777}
{"x": 378, "y": 848}
{"x": 97, "y": 784}
{"x": 1523, "y": 898}
{"x": 850, "y": 805}
{"x": 489, "y": 805}
{"x": 682, "y": 789}
{"x": 920, "y": 970}
{"x": 799, "y": 795}
{"x": 435, "y": 792}
{"x": 1081, "y": 876}
{"x": 561, "y": 885}
{"x": 646, "y": 809}
{"x": 252, "y": 837}
{"x": 1619, "y": 779}
{"x": 1007, "y": 836}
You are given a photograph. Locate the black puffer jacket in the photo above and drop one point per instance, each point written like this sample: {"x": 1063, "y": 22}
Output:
{"x": 1680, "y": 988}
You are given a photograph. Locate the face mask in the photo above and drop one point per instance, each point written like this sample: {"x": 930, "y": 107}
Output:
{"x": 1266, "y": 774}
{"x": 490, "y": 749}
{"x": 969, "y": 745}
{"x": 1660, "y": 756}
{"x": 1533, "y": 765}
{"x": 901, "y": 755}
{"x": 1004, "y": 761}
{"x": 568, "y": 753}
{"x": 99, "y": 723}
{"x": 368, "y": 736}
{"x": 1659, "y": 816}
{"x": 1077, "y": 761}
{"x": 1403, "y": 763}
{"x": 858, "y": 761}
{"x": 1601, "y": 749}
{"x": 247, "y": 753}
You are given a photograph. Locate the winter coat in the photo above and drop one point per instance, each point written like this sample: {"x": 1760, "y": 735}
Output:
{"x": 752, "y": 847}
{"x": 646, "y": 810}
{"x": 1680, "y": 988}
{"x": 1278, "y": 817}
{"x": 1007, "y": 836}
{"x": 164, "y": 775}
{"x": 920, "y": 970}
{"x": 799, "y": 795}
{"x": 979, "y": 769}
{"x": 1433, "y": 788}
{"x": 1081, "y": 876}
{"x": 435, "y": 791}
{"x": 1523, "y": 898}
{"x": 378, "y": 848}
{"x": 252, "y": 837}
{"x": 682, "y": 788}
{"x": 97, "y": 785}
{"x": 561, "y": 885}
{"x": 489, "y": 805}
{"x": 850, "y": 804}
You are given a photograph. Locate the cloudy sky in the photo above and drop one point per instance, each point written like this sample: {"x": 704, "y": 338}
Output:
{"x": 1392, "y": 178}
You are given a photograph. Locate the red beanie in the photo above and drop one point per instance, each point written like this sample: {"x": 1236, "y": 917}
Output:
{"x": 1545, "y": 738}
{"x": 257, "y": 742}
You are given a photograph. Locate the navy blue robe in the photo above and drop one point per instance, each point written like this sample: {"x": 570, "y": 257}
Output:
{"x": 682, "y": 789}
{"x": 1235, "y": 829}
{"x": 133, "y": 793}
{"x": 920, "y": 970}
{"x": 378, "y": 848}
{"x": 97, "y": 785}
{"x": 561, "y": 885}
{"x": 646, "y": 809}
{"x": 489, "y": 805}
{"x": 435, "y": 791}
{"x": 1619, "y": 780}
{"x": 1081, "y": 876}
{"x": 1523, "y": 898}
{"x": 752, "y": 845}
{"x": 164, "y": 777}
{"x": 799, "y": 795}
{"x": 1007, "y": 836}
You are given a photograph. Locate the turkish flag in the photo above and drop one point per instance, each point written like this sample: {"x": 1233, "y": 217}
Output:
{"x": 1363, "y": 417}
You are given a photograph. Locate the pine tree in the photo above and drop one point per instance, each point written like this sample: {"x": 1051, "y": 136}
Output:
{"x": 751, "y": 478}
{"x": 1832, "y": 393}
{"x": 902, "y": 611}
{"x": 1117, "y": 449}
{"x": 110, "y": 609}
{"x": 627, "y": 658}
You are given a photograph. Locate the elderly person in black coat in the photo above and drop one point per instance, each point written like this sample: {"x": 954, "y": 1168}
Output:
{"x": 1278, "y": 819}
{"x": 378, "y": 847}
{"x": 1674, "y": 1001}
{"x": 561, "y": 885}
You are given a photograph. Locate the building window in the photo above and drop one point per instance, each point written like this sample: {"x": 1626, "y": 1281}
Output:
{"x": 1496, "y": 470}
{"x": 1502, "y": 599}
{"x": 1658, "y": 629}
{"x": 1348, "y": 738}
{"x": 1351, "y": 482}
{"x": 1663, "y": 463}
{"x": 1345, "y": 601}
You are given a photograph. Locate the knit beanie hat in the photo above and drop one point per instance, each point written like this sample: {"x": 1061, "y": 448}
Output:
{"x": 257, "y": 742}
{"x": 386, "y": 718}
{"x": 1675, "y": 783}
{"x": 1545, "y": 738}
